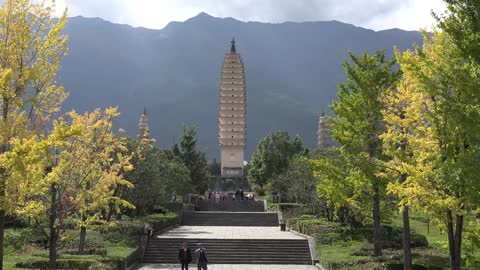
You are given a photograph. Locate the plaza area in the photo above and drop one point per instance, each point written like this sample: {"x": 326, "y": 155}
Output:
{"x": 228, "y": 232}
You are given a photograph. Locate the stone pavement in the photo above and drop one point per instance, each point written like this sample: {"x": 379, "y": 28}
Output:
{"x": 228, "y": 232}
{"x": 231, "y": 267}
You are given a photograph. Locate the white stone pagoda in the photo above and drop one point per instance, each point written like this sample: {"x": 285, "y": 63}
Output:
{"x": 232, "y": 114}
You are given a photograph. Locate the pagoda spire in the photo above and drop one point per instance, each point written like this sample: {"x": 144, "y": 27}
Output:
{"x": 233, "y": 49}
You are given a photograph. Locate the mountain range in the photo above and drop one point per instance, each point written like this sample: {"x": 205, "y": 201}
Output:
{"x": 291, "y": 72}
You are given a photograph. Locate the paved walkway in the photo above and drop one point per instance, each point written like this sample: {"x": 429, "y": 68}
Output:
{"x": 228, "y": 232}
{"x": 231, "y": 267}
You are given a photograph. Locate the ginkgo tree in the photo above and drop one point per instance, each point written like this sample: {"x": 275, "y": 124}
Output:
{"x": 101, "y": 159}
{"x": 403, "y": 115}
{"x": 443, "y": 123}
{"x": 31, "y": 47}
{"x": 72, "y": 172}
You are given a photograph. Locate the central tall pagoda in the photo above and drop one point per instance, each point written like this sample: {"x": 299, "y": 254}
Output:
{"x": 232, "y": 114}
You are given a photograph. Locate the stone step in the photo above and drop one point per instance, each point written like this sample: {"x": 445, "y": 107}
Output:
{"x": 231, "y": 206}
{"x": 211, "y": 218}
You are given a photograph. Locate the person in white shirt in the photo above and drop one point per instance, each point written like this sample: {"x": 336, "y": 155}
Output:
{"x": 201, "y": 257}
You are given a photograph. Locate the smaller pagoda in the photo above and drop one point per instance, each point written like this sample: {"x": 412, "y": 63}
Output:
{"x": 323, "y": 133}
{"x": 143, "y": 128}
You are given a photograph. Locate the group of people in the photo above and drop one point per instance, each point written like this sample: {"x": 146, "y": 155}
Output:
{"x": 237, "y": 196}
{"x": 185, "y": 257}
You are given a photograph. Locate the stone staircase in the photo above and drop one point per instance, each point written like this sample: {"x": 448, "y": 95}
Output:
{"x": 231, "y": 206}
{"x": 211, "y": 218}
{"x": 233, "y": 251}
{"x": 245, "y": 249}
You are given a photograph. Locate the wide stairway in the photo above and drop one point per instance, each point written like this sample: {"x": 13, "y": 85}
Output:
{"x": 233, "y": 251}
{"x": 234, "y": 236}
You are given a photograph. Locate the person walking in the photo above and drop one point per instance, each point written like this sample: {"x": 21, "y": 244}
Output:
{"x": 148, "y": 230}
{"x": 201, "y": 256}
{"x": 184, "y": 256}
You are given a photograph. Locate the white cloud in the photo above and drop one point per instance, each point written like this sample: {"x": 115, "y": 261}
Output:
{"x": 375, "y": 14}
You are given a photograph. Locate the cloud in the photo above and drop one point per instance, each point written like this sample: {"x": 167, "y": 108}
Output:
{"x": 375, "y": 14}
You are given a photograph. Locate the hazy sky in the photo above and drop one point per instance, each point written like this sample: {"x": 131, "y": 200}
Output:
{"x": 373, "y": 14}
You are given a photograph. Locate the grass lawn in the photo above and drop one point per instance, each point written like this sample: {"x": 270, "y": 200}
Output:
{"x": 354, "y": 252}
{"x": 31, "y": 252}
{"x": 419, "y": 223}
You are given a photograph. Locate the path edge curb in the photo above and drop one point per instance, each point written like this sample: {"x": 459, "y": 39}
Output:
{"x": 313, "y": 248}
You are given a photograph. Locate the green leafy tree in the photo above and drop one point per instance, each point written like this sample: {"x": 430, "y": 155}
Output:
{"x": 298, "y": 182}
{"x": 462, "y": 23}
{"x": 193, "y": 159}
{"x": 157, "y": 177}
{"x": 402, "y": 114}
{"x": 343, "y": 189}
{"x": 359, "y": 121}
{"x": 271, "y": 158}
{"x": 215, "y": 168}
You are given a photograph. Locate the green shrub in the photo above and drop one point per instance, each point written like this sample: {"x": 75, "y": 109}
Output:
{"x": 160, "y": 221}
{"x": 76, "y": 262}
{"x": 392, "y": 236}
{"x": 18, "y": 238}
{"x": 71, "y": 240}
{"x": 128, "y": 230}
{"x": 87, "y": 251}
{"x": 100, "y": 266}
{"x": 284, "y": 206}
{"x": 328, "y": 238}
{"x": 173, "y": 207}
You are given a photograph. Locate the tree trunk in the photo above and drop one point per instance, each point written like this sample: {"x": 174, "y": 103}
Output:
{"x": 377, "y": 230}
{"x": 3, "y": 180}
{"x": 2, "y": 213}
{"x": 458, "y": 242}
{"x": 52, "y": 241}
{"x": 451, "y": 241}
{"x": 83, "y": 234}
{"x": 2, "y": 232}
{"x": 428, "y": 224}
{"x": 407, "y": 252}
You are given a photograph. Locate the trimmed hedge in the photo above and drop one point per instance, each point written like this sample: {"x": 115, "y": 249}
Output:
{"x": 284, "y": 206}
{"x": 328, "y": 232}
{"x": 79, "y": 263}
{"x": 124, "y": 232}
{"x": 160, "y": 221}
{"x": 392, "y": 237}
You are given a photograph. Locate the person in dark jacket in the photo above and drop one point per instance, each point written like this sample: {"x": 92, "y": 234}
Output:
{"x": 184, "y": 256}
{"x": 201, "y": 256}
